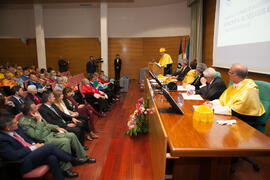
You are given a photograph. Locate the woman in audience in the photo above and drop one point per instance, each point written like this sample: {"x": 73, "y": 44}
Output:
{"x": 82, "y": 109}
{"x": 18, "y": 79}
{"x": 83, "y": 119}
{"x": 32, "y": 94}
{"x": 94, "y": 96}
{"x": 59, "y": 84}
{"x": 103, "y": 87}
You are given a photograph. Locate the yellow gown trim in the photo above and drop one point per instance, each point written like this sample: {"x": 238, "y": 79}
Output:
{"x": 243, "y": 99}
{"x": 166, "y": 59}
{"x": 190, "y": 77}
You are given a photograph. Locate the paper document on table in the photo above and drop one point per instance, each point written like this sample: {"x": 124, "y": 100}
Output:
{"x": 192, "y": 97}
{"x": 159, "y": 65}
{"x": 185, "y": 88}
{"x": 195, "y": 106}
{"x": 226, "y": 122}
{"x": 181, "y": 88}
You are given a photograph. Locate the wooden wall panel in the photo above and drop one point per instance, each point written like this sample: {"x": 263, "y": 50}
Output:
{"x": 15, "y": 52}
{"x": 137, "y": 52}
{"x": 208, "y": 36}
{"x": 131, "y": 53}
{"x": 76, "y": 50}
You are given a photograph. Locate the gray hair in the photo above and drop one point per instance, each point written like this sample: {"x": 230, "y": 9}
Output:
{"x": 201, "y": 67}
{"x": 31, "y": 88}
{"x": 84, "y": 81}
{"x": 210, "y": 72}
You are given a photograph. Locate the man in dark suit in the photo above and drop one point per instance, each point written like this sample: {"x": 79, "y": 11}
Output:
{"x": 63, "y": 65}
{"x": 52, "y": 114}
{"x": 199, "y": 70}
{"x": 14, "y": 145}
{"x": 90, "y": 66}
{"x": 180, "y": 75}
{"x": 212, "y": 85}
{"x": 117, "y": 66}
{"x": 17, "y": 98}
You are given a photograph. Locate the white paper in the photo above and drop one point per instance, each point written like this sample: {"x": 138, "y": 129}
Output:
{"x": 188, "y": 87}
{"x": 195, "y": 106}
{"x": 181, "y": 88}
{"x": 192, "y": 97}
{"x": 226, "y": 122}
{"x": 159, "y": 65}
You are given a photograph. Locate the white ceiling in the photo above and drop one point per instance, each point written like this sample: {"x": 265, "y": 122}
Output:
{"x": 136, "y": 3}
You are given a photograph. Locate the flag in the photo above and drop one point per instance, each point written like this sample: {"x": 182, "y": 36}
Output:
{"x": 180, "y": 56}
{"x": 184, "y": 50}
{"x": 187, "y": 50}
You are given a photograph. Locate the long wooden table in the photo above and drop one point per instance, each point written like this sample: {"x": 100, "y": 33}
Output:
{"x": 199, "y": 150}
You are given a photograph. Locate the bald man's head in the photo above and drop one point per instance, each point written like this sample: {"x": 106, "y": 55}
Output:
{"x": 240, "y": 70}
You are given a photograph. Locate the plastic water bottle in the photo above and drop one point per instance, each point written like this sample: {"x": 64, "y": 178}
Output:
{"x": 180, "y": 101}
{"x": 166, "y": 86}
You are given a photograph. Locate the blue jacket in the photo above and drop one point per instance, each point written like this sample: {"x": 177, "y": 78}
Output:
{"x": 11, "y": 149}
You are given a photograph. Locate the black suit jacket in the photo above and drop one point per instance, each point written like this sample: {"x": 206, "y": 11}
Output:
{"x": 197, "y": 82}
{"x": 52, "y": 118}
{"x": 11, "y": 149}
{"x": 17, "y": 103}
{"x": 182, "y": 73}
{"x": 63, "y": 65}
{"x": 117, "y": 64}
{"x": 214, "y": 90}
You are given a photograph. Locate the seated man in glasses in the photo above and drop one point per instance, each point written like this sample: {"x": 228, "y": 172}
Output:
{"x": 241, "y": 99}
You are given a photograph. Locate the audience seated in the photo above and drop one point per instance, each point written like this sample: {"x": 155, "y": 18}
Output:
{"x": 17, "y": 98}
{"x": 38, "y": 129}
{"x": 59, "y": 85}
{"x": 25, "y": 75}
{"x": 54, "y": 76}
{"x": 82, "y": 109}
{"x": 18, "y": 79}
{"x": 35, "y": 81}
{"x": 2, "y": 73}
{"x": 32, "y": 94}
{"x": 94, "y": 96}
{"x": 8, "y": 82}
{"x": 61, "y": 123}
{"x": 106, "y": 88}
{"x": 81, "y": 120}
{"x": 52, "y": 114}
{"x": 14, "y": 145}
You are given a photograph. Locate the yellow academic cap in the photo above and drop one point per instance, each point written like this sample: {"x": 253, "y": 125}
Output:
{"x": 162, "y": 50}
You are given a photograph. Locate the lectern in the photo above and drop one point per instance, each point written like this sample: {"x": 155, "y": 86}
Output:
{"x": 155, "y": 68}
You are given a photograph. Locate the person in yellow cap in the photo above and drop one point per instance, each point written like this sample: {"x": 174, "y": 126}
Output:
{"x": 165, "y": 61}
{"x": 240, "y": 99}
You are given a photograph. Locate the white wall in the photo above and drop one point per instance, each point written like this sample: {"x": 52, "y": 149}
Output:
{"x": 74, "y": 22}
{"x": 17, "y": 23}
{"x": 160, "y": 21}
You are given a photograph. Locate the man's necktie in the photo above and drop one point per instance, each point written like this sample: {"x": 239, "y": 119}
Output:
{"x": 57, "y": 114}
{"x": 21, "y": 101}
{"x": 22, "y": 141}
{"x": 36, "y": 98}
